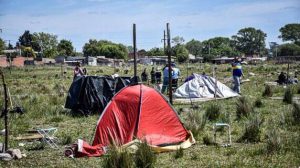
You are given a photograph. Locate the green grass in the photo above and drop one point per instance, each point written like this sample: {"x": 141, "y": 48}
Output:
{"x": 42, "y": 93}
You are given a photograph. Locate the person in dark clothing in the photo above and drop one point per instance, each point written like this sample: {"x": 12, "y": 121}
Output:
{"x": 144, "y": 76}
{"x": 282, "y": 79}
{"x": 152, "y": 73}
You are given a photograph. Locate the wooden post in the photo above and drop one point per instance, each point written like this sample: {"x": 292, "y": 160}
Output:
{"x": 169, "y": 62}
{"x": 134, "y": 50}
{"x": 215, "y": 76}
{"x": 5, "y": 112}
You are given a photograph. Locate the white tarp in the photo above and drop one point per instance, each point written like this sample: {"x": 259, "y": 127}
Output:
{"x": 203, "y": 86}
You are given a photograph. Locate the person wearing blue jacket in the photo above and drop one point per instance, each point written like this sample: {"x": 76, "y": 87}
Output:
{"x": 237, "y": 73}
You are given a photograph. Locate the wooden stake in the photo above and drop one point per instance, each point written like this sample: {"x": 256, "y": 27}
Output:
{"x": 169, "y": 62}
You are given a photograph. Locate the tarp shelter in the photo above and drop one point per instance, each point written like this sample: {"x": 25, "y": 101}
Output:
{"x": 137, "y": 113}
{"x": 202, "y": 88}
{"x": 90, "y": 94}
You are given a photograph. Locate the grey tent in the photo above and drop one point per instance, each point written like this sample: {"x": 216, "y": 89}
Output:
{"x": 202, "y": 88}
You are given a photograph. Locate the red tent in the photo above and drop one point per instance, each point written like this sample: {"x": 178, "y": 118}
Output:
{"x": 137, "y": 112}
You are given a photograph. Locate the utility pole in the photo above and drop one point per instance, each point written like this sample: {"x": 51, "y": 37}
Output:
{"x": 169, "y": 62}
{"x": 134, "y": 51}
{"x": 164, "y": 39}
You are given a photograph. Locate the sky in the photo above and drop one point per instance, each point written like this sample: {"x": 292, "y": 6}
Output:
{"x": 81, "y": 20}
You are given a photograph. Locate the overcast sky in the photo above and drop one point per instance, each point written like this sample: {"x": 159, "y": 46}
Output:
{"x": 81, "y": 20}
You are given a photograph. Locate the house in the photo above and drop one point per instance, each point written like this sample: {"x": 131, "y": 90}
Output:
{"x": 92, "y": 61}
{"x": 3, "y": 61}
{"x": 222, "y": 60}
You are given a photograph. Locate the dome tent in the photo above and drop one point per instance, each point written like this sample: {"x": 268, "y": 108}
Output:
{"x": 202, "y": 88}
{"x": 135, "y": 113}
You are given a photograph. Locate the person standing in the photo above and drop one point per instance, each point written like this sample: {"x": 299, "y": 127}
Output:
{"x": 165, "y": 78}
{"x": 78, "y": 71}
{"x": 144, "y": 76}
{"x": 237, "y": 73}
{"x": 175, "y": 75}
{"x": 152, "y": 73}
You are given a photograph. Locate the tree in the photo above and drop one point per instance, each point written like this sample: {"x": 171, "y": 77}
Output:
{"x": 65, "y": 47}
{"x": 250, "y": 41}
{"x": 26, "y": 39}
{"x": 218, "y": 47}
{"x": 291, "y": 32}
{"x": 105, "y": 48}
{"x": 47, "y": 42}
{"x": 182, "y": 54}
{"x": 156, "y": 52}
{"x": 177, "y": 40}
{"x": 2, "y": 45}
{"x": 289, "y": 50}
{"x": 194, "y": 47}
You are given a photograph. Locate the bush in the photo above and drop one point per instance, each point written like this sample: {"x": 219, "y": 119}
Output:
{"x": 288, "y": 96}
{"x": 273, "y": 141}
{"x": 258, "y": 103}
{"x": 268, "y": 92}
{"x": 195, "y": 122}
{"x": 213, "y": 112}
{"x": 252, "y": 130}
{"x": 179, "y": 153}
{"x": 296, "y": 113}
{"x": 243, "y": 108}
{"x": 144, "y": 156}
{"x": 208, "y": 140}
{"x": 118, "y": 158}
{"x": 298, "y": 89}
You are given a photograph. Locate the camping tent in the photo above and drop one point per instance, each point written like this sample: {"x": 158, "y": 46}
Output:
{"x": 90, "y": 94}
{"x": 202, "y": 88}
{"x": 135, "y": 113}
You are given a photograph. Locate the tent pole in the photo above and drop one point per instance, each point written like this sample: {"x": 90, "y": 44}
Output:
{"x": 169, "y": 62}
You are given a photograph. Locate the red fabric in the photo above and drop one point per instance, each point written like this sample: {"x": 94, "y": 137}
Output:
{"x": 126, "y": 118}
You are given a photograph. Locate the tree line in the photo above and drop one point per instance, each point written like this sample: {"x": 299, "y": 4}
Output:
{"x": 247, "y": 41}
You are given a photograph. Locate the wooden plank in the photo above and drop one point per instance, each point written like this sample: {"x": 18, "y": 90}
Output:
{"x": 29, "y": 137}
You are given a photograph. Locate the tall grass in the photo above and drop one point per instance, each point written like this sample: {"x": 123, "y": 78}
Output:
{"x": 243, "y": 107}
{"x": 252, "y": 129}
{"x": 195, "y": 122}
{"x": 273, "y": 141}
{"x": 296, "y": 113}
{"x": 118, "y": 158}
{"x": 268, "y": 92}
{"x": 144, "y": 156}
{"x": 288, "y": 96}
{"x": 213, "y": 112}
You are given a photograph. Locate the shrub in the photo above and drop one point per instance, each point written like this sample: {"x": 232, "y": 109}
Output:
{"x": 252, "y": 130}
{"x": 118, "y": 158}
{"x": 273, "y": 141}
{"x": 195, "y": 122}
{"x": 179, "y": 153}
{"x": 258, "y": 103}
{"x": 208, "y": 140}
{"x": 213, "y": 112}
{"x": 268, "y": 92}
{"x": 36, "y": 146}
{"x": 144, "y": 156}
{"x": 288, "y": 96}
{"x": 296, "y": 113}
{"x": 243, "y": 108}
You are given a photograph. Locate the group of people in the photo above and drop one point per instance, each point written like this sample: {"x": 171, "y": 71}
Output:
{"x": 156, "y": 76}
{"x": 284, "y": 79}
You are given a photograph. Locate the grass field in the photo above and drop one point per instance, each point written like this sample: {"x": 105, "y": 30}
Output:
{"x": 42, "y": 93}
